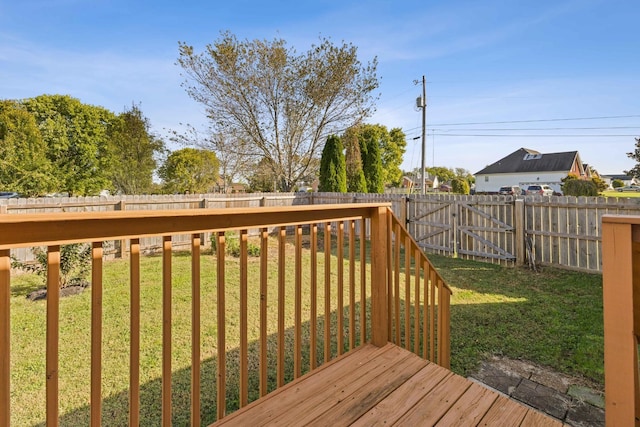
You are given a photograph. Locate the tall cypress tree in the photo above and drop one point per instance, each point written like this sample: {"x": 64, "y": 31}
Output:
{"x": 371, "y": 159}
{"x": 356, "y": 183}
{"x": 333, "y": 175}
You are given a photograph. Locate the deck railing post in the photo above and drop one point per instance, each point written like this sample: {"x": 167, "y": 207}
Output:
{"x": 379, "y": 314}
{"x": 5, "y": 337}
{"x": 620, "y": 342}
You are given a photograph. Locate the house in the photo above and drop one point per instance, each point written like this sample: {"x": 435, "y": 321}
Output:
{"x": 430, "y": 183}
{"x": 626, "y": 179}
{"x": 525, "y": 167}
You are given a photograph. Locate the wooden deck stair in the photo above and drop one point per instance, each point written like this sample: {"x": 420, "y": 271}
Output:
{"x": 384, "y": 386}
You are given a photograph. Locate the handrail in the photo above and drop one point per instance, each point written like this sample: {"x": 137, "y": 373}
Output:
{"x": 433, "y": 298}
{"x": 338, "y": 225}
{"x": 621, "y": 310}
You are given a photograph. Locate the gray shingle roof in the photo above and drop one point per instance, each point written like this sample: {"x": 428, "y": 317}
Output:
{"x": 525, "y": 160}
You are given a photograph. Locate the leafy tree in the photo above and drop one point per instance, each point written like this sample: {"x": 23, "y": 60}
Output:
{"x": 134, "y": 151}
{"x": 460, "y": 185}
{"x": 189, "y": 169}
{"x": 599, "y": 183}
{"x": 617, "y": 183}
{"x": 444, "y": 174}
{"x": 76, "y": 138}
{"x": 392, "y": 148}
{"x": 333, "y": 174}
{"x": 262, "y": 178}
{"x": 356, "y": 183}
{"x": 24, "y": 167}
{"x": 635, "y": 155}
{"x": 233, "y": 164}
{"x": 274, "y": 103}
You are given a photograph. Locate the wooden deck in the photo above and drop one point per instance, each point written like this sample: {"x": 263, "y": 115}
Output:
{"x": 385, "y": 386}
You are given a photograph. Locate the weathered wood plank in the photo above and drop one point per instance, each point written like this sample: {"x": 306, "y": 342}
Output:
{"x": 404, "y": 397}
{"x": 470, "y": 408}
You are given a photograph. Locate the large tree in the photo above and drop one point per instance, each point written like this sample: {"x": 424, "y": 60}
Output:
{"x": 271, "y": 102}
{"x": 135, "y": 151}
{"x": 24, "y": 167}
{"x": 189, "y": 170}
{"x": 76, "y": 138}
{"x": 369, "y": 139}
{"x": 635, "y": 155}
{"x": 333, "y": 175}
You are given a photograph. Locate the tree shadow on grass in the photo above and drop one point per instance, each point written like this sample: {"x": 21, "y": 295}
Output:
{"x": 115, "y": 408}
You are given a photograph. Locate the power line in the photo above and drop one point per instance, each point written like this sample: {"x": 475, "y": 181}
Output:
{"x": 536, "y": 120}
{"x": 540, "y": 129}
{"x": 537, "y": 136}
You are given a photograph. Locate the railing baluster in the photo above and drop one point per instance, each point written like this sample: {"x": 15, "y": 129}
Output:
{"x": 390, "y": 245}
{"x": 195, "y": 330}
{"x": 416, "y": 301}
{"x": 264, "y": 260}
{"x": 282, "y": 241}
{"x": 297, "y": 333}
{"x": 221, "y": 402}
{"x": 96, "y": 333}
{"x": 134, "y": 354}
{"x": 443, "y": 326}
{"x": 327, "y": 291}
{"x": 340, "y": 310}
{"x": 432, "y": 317}
{"x": 313, "y": 332}
{"x": 363, "y": 281}
{"x": 53, "y": 318}
{"x": 166, "y": 331}
{"x": 407, "y": 292}
{"x": 5, "y": 337}
{"x": 244, "y": 341}
{"x": 396, "y": 283}
{"x": 425, "y": 312}
{"x": 352, "y": 284}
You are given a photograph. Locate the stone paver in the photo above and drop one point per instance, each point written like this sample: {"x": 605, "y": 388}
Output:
{"x": 552, "y": 393}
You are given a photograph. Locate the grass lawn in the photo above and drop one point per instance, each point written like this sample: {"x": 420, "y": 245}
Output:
{"x": 553, "y": 317}
{"x": 613, "y": 193}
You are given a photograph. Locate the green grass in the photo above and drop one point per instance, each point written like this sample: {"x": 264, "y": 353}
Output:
{"x": 614, "y": 193}
{"x": 553, "y": 317}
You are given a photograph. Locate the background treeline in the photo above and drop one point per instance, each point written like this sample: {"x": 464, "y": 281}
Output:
{"x": 56, "y": 144}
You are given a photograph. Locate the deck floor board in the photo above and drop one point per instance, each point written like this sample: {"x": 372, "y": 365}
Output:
{"x": 387, "y": 385}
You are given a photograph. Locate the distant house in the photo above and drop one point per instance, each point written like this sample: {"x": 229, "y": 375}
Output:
{"x": 430, "y": 183}
{"x": 626, "y": 179}
{"x": 525, "y": 167}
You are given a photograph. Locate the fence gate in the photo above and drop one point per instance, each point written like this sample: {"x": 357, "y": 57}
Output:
{"x": 480, "y": 227}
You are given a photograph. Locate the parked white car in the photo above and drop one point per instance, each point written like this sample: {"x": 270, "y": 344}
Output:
{"x": 542, "y": 190}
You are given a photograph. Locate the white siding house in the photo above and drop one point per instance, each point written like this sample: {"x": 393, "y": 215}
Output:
{"x": 525, "y": 167}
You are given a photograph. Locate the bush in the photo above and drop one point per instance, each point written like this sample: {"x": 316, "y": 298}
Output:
{"x": 617, "y": 183}
{"x": 460, "y": 186}
{"x": 75, "y": 264}
{"x": 232, "y": 245}
{"x": 578, "y": 187}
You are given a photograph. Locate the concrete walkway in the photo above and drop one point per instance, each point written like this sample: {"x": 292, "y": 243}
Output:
{"x": 567, "y": 399}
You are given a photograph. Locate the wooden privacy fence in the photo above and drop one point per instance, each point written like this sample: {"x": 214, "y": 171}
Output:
{"x": 559, "y": 231}
{"x": 353, "y": 289}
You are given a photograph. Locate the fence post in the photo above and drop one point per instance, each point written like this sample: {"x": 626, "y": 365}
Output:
{"x": 121, "y": 252}
{"x": 518, "y": 225}
{"x": 3, "y": 209}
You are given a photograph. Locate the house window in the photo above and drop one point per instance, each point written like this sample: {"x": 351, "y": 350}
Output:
{"x": 486, "y": 178}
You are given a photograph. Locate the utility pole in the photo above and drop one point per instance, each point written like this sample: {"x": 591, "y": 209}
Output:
{"x": 423, "y": 105}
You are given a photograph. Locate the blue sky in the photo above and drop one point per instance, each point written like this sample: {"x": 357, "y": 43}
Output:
{"x": 524, "y": 62}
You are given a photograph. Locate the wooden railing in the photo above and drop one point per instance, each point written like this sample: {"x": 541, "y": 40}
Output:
{"x": 394, "y": 294}
{"x": 621, "y": 307}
